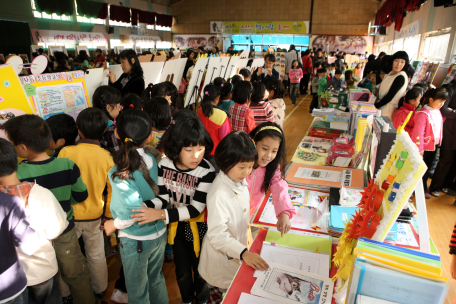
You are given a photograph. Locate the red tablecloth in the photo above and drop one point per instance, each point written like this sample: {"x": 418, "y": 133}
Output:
{"x": 244, "y": 280}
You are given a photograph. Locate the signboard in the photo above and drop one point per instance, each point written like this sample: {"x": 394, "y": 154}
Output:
{"x": 53, "y": 36}
{"x": 347, "y": 44}
{"x": 409, "y": 30}
{"x": 195, "y": 41}
{"x": 267, "y": 27}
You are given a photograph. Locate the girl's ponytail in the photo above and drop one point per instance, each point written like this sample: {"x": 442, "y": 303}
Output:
{"x": 435, "y": 94}
{"x": 210, "y": 94}
{"x": 133, "y": 128}
{"x": 225, "y": 90}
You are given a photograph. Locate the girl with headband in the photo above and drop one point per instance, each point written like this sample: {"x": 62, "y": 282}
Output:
{"x": 269, "y": 171}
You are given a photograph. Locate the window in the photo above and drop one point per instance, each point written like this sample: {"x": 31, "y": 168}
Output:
{"x": 398, "y": 45}
{"x": 435, "y": 45}
{"x": 162, "y": 28}
{"x": 267, "y": 39}
{"x": 411, "y": 46}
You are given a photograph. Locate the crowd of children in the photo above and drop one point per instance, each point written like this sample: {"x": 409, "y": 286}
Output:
{"x": 171, "y": 184}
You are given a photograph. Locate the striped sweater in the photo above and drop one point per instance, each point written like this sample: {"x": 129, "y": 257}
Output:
{"x": 453, "y": 241}
{"x": 262, "y": 112}
{"x": 183, "y": 195}
{"x": 62, "y": 177}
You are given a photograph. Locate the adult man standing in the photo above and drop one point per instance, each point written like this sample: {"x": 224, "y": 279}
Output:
{"x": 307, "y": 72}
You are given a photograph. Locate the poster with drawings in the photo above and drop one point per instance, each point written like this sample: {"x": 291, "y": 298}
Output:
{"x": 279, "y": 65}
{"x": 64, "y": 98}
{"x": 308, "y": 212}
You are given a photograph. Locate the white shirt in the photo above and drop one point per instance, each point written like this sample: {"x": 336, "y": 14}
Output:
{"x": 123, "y": 224}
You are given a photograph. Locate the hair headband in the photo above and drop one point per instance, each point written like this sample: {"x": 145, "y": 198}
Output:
{"x": 128, "y": 139}
{"x": 268, "y": 128}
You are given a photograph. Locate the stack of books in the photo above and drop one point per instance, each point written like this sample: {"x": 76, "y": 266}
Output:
{"x": 396, "y": 274}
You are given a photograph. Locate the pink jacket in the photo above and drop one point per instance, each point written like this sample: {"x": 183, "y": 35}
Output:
{"x": 279, "y": 190}
{"x": 422, "y": 134}
{"x": 401, "y": 114}
{"x": 295, "y": 75}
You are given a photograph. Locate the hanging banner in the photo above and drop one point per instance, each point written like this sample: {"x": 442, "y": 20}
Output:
{"x": 194, "y": 41}
{"x": 347, "y": 44}
{"x": 266, "y": 27}
{"x": 409, "y": 30}
{"x": 52, "y": 36}
{"x": 136, "y": 39}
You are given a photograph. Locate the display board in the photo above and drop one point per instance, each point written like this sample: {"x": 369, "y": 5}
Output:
{"x": 93, "y": 79}
{"x": 279, "y": 65}
{"x": 450, "y": 74}
{"x": 82, "y": 48}
{"x": 417, "y": 66}
{"x": 231, "y": 68}
{"x": 152, "y": 71}
{"x": 173, "y": 71}
{"x": 193, "y": 87}
{"x": 52, "y": 94}
{"x": 214, "y": 69}
{"x": 13, "y": 99}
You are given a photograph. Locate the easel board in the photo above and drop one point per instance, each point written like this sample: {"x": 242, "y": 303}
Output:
{"x": 213, "y": 70}
{"x": 195, "y": 81}
{"x": 82, "y": 48}
{"x": 230, "y": 69}
{"x": 240, "y": 64}
{"x": 152, "y": 71}
{"x": 258, "y": 62}
{"x": 117, "y": 70}
{"x": 52, "y": 94}
{"x": 224, "y": 66}
{"x": 13, "y": 99}
{"x": 53, "y": 49}
{"x": 145, "y": 58}
{"x": 173, "y": 71}
{"x": 93, "y": 79}
{"x": 119, "y": 49}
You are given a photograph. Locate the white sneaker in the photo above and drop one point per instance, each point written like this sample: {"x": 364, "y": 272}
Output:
{"x": 119, "y": 297}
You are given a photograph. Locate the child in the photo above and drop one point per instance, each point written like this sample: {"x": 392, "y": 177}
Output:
{"x": 276, "y": 92}
{"x": 132, "y": 187}
{"x": 218, "y": 82}
{"x": 335, "y": 82}
{"x": 31, "y": 137}
{"x": 349, "y": 80}
{"x": 358, "y": 71}
{"x": 295, "y": 74}
{"x": 226, "y": 93}
{"x": 216, "y": 122}
{"x": 236, "y": 79}
{"x": 64, "y": 132}
{"x": 332, "y": 70}
{"x": 184, "y": 178}
{"x": 262, "y": 111}
{"x": 46, "y": 217}
{"x": 159, "y": 112}
{"x": 245, "y": 73}
{"x": 94, "y": 163}
{"x": 131, "y": 101}
{"x": 107, "y": 99}
{"x": 319, "y": 85}
{"x": 16, "y": 236}
{"x": 225, "y": 243}
{"x": 408, "y": 103}
{"x": 427, "y": 132}
{"x": 344, "y": 67}
{"x": 322, "y": 73}
{"x": 241, "y": 116}
{"x": 269, "y": 170}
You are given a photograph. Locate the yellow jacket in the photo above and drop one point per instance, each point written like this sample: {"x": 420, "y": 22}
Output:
{"x": 172, "y": 230}
{"x": 94, "y": 163}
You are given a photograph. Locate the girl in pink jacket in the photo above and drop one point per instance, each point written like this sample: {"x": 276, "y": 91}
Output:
{"x": 270, "y": 144}
{"x": 427, "y": 132}
{"x": 295, "y": 74}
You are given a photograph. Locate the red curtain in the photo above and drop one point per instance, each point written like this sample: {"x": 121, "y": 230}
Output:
{"x": 134, "y": 16}
{"x": 147, "y": 17}
{"x": 164, "y": 20}
{"x": 119, "y": 13}
{"x": 103, "y": 14}
{"x": 394, "y": 11}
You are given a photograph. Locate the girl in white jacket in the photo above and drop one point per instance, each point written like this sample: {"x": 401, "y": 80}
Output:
{"x": 228, "y": 209}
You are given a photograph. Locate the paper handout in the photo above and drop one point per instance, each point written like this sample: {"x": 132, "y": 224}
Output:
{"x": 288, "y": 285}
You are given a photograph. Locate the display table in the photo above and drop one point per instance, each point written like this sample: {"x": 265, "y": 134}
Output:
{"x": 244, "y": 280}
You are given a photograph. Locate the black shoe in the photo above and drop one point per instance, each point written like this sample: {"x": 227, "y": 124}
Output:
{"x": 67, "y": 300}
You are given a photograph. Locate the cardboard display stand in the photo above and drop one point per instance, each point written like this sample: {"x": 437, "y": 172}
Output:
{"x": 152, "y": 72}
{"x": 145, "y": 58}
{"x": 13, "y": 98}
{"x": 57, "y": 93}
{"x": 192, "y": 94}
{"x": 230, "y": 70}
{"x": 173, "y": 71}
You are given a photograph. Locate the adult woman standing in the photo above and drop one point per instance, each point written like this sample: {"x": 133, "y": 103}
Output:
{"x": 393, "y": 85}
{"x": 191, "y": 55}
{"x": 132, "y": 80}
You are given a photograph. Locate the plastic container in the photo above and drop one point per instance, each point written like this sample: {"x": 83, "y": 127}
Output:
{"x": 329, "y": 161}
{"x": 342, "y": 150}
{"x": 324, "y": 133}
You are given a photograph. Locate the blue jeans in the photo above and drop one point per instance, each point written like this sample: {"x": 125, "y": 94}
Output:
{"x": 143, "y": 270}
{"x": 20, "y": 299}
{"x": 46, "y": 293}
{"x": 294, "y": 87}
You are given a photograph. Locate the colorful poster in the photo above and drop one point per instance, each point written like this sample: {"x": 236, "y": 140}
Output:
{"x": 53, "y": 36}
{"x": 13, "y": 98}
{"x": 347, "y": 44}
{"x": 279, "y": 65}
{"x": 417, "y": 64}
{"x": 53, "y": 94}
{"x": 430, "y": 73}
{"x": 195, "y": 41}
{"x": 266, "y": 27}
{"x": 421, "y": 72}
{"x": 216, "y": 27}
{"x": 451, "y": 73}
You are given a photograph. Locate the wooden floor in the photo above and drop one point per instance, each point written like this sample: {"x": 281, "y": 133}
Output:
{"x": 441, "y": 211}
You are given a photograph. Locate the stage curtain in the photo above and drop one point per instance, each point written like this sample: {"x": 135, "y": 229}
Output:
{"x": 16, "y": 38}
{"x": 60, "y": 7}
{"x": 119, "y": 13}
{"x": 90, "y": 9}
